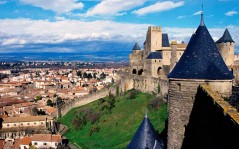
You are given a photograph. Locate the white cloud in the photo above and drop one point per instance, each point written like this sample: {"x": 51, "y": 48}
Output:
{"x": 2, "y": 2}
{"x": 58, "y": 6}
{"x": 198, "y": 13}
{"x": 24, "y": 31}
{"x": 158, "y": 7}
{"x": 231, "y": 13}
{"x": 181, "y": 17}
{"x": 12, "y": 31}
{"x": 113, "y": 7}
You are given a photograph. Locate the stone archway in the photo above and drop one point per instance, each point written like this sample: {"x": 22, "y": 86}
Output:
{"x": 134, "y": 71}
{"x": 160, "y": 71}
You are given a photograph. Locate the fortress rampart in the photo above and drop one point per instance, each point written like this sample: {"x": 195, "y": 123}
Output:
{"x": 213, "y": 122}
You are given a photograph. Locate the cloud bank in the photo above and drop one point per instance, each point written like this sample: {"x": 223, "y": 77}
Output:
{"x": 15, "y": 33}
{"x": 158, "y": 7}
{"x": 58, "y": 6}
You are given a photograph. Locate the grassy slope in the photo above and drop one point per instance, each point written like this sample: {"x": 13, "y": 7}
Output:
{"x": 117, "y": 128}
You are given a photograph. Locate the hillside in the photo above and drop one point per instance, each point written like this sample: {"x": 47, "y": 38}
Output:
{"x": 115, "y": 127}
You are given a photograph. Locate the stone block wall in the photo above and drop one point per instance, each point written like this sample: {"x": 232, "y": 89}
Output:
{"x": 182, "y": 95}
{"x": 213, "y": 123}
{"x": 180, "y": 103}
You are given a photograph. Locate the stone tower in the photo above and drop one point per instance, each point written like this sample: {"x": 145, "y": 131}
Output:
{"x": 136, "y": 64}
{"x": 201, "y": 63}
{"x": 226, "y": 47}
{"x": 153, "y": 39}
{"x": 173, "y": 59}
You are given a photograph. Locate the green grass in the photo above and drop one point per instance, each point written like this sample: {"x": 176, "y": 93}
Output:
{"x": 117, "y": 128}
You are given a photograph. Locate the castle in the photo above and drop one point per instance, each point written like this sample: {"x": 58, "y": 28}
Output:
{"x": 159, "y": 56}
{"x": 193, "y": 70}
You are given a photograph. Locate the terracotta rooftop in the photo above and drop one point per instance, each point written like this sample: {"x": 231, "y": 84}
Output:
{"x": 56, "y": 138}
{"x": 26, "y": 141}
{"x": 41, "y": 137}
{"x": 26, "y": 119}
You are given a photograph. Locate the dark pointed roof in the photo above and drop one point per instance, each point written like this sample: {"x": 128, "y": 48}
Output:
{"x": 146, "y": 137}
{"x": 155, "y": 55}
{"x": 136, "y": 46}
{"x": 201, "y": 59}
{"x": 226, "y": 37}
{"x": 165, "y": 41}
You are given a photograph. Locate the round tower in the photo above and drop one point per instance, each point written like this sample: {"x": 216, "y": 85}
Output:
{"x": 226, "y": 48}
{"x": 201, "y": 63}
{"x": 135, "y": 58}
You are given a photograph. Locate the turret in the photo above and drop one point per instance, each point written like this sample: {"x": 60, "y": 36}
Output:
{"x": 146, "y": 137}
{"x": 226, "y": 48}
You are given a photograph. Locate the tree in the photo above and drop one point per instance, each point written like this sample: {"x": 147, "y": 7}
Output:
{"x": 79, "y": 73}
{"x": 89, "y": 76}
{"x": 84, "y": 75}
{"x": 102, "y": 75}
{"x": 94, "y": 75}
{"x": 49, "y": 103}
{"x": 37, "y": 98}
{"x": 59, "y": 100}
{"x": 159, "y": 89}
{"x": 117, "y": 91}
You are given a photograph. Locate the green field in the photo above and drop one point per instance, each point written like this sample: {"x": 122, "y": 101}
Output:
{"x": 118, "y": 126}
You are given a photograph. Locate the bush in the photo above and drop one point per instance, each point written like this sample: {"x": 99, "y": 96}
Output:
{"x": 94, "y": 129}
{"x": 156, "y": 103}
{"x": 83, "y": 116}
{"x": 132, "y": 94}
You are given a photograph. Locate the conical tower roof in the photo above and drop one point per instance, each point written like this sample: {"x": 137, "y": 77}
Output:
{"x": 145, "y": 137}
{"x": 226, "y": 37}
{"x": 136, "y": 46}
{"x": 201, "y": 59}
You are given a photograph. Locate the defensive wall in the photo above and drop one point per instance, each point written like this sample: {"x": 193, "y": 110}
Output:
{"x": 213, "y": 123}
{"x": 86, "y": 99}
{"x": 144, "y": 83}
{"x": 127, "y": 82}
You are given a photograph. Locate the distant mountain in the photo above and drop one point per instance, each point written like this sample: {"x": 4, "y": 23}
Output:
{"x": 70, "y": 51}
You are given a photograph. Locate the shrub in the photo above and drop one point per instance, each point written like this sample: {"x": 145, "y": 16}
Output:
{"x": 156, "y": 103}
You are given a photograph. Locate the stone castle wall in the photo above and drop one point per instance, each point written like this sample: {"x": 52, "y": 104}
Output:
{"x": 213, "y": 123}
{"x": 144, "y": 84}
{"x": 86, "y": 99}
{"x": 182, "y": 95}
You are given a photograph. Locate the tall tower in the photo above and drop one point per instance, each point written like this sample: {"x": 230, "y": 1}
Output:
{"x": 226, "y": 47}
{"x": 136, "y": 64}
{"x": 201, "y": 63}
{"x": 153, "y": 39}
{"x": 173, "y": 59}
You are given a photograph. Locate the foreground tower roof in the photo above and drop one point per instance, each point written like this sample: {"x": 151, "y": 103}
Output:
{"x": 145, "y": 137}
{"x": 226, "y": 37}
{"x": 136, "y": 46}
{"x": 201, "y": 59}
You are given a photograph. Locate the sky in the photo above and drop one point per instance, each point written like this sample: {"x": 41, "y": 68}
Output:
{"x": 33, "y": 25}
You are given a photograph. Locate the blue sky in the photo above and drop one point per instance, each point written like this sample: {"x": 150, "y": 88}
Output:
{"x": 24, "y": 23}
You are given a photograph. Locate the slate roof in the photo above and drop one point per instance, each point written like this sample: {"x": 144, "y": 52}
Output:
{"x": 201, "y": 59}
{"x": 226, "y": 37}
{"x": 155, "y": 55}
{"x": 165, "y": 41}
{"x": 136, "y": 46}
{"x": 145, "y": 137}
